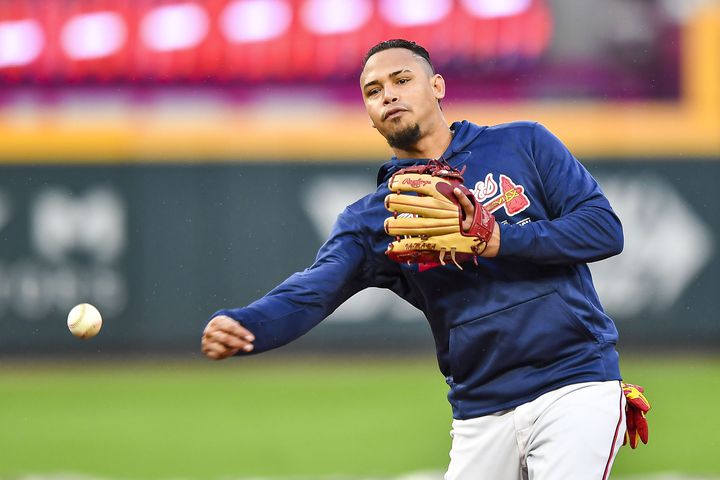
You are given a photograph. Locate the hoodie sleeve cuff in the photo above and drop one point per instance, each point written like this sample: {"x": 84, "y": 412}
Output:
{"x": 241, "y": 316}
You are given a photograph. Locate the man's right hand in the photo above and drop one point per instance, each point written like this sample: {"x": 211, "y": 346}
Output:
{"x": 224, "y": 337}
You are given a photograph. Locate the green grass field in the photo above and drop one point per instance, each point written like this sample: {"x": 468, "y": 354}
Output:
{"x": 276, "y": 416}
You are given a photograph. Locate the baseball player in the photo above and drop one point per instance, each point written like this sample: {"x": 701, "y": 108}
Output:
{"x": 488, "y": 231}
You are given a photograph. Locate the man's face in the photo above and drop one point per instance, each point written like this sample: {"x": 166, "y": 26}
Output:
{"x": 401, "y": 93}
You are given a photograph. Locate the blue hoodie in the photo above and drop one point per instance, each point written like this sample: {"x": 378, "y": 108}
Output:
{"x": 507, "y": 330}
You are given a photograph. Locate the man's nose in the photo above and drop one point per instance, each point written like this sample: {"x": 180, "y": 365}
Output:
{"x": 390, "y": 96}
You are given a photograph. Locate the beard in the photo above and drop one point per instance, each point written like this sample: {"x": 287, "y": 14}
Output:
{"x": 405, "y": 139}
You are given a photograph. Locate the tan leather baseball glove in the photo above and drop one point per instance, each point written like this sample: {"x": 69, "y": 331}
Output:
{"x": 427, "y": 217}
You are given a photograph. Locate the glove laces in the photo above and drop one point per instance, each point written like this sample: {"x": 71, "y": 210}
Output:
{"x": 439, "y": 167}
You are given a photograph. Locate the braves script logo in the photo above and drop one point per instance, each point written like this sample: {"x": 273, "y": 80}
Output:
{"x": 511, "y": 197}
{"x": 416, "y": 182}
{"x": 485, "y": 189}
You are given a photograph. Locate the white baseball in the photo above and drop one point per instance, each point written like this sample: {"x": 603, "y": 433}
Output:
{"x": 84, "y": 321}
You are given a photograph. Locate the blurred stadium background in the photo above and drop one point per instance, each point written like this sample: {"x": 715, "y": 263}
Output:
{"x": 162, "y": 159}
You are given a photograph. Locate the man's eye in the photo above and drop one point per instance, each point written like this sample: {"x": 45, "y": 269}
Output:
{"x": 403, "y": 80}
{"x": 372, "y": 92}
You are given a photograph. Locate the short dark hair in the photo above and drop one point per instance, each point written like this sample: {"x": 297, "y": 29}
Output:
{"x": 400, "y": 43}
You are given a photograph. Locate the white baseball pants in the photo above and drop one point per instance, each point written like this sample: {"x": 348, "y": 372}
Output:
{"x": 573, "y": 432}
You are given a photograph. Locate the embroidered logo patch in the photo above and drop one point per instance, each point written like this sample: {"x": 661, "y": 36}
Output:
{"x": 511, "y": 197}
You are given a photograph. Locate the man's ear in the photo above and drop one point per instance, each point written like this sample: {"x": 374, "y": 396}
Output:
{"x": 438, "y": 85}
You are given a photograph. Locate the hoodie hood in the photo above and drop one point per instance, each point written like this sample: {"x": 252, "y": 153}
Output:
{"x": 465, "y": 133}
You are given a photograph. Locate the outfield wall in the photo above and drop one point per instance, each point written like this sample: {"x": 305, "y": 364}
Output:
{"x": 159, "y": 247}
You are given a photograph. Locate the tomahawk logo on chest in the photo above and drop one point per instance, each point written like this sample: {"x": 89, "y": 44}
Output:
{"x": 508, "y": 195}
